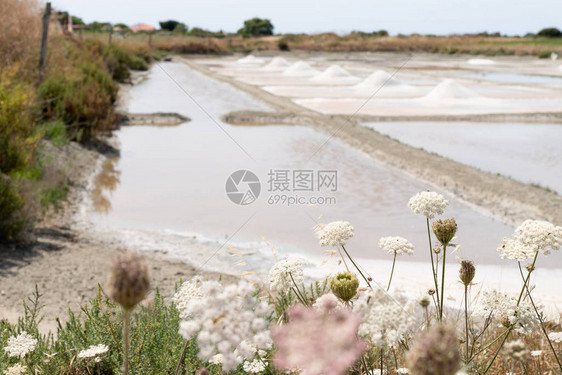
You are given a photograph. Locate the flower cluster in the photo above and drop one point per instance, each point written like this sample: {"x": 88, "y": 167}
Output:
{"x": 94, "y": 351}
{"x": 386, "y": 320}
{"x": 428, "y": 203}
{"x": 317, "y": 342}
{"x": 19, "y": 346}
{"x": 16, "y": 369}
{"x": 223, "y": 318}
{"x": 517, "y": 350}
{"x": 283, "y": 273}
{"x": 128, "y": 281}
{"x": 396, "y": 245}
{"x": 335, "y": 233}
{"x": 503, "y": 307}
{"x": 328, "y": 303}
{"x": 555, "y": 337}
{"x": 188, "y": 290}
{"x": 254, "y": 367}
{"x": 529, "y": 238}
{"x": 435, "y": 352}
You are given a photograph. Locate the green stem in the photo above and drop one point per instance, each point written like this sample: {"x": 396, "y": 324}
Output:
{"x": 356, "y": 266}
{"x": 182, "y": 357}
{"x": 298, "y": 292}
{"x": 434, "y": 271}
{"x": 391, "y": 272}
{"x": 518, "y": 302}
{"x": 126, "y": 342}
{"x": 466, "y": 317}
{"x": 382, "y": 356}
{"x": 443, "y": 282}
{"x": 540, "y": 320}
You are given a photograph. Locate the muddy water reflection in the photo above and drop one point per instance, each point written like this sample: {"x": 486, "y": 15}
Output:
{"x": 174, "y": 179}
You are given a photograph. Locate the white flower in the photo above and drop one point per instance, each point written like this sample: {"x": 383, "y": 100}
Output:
{"x": 402, "y": 370}
{"x": 428, "y": 203}
{"x": 515, "y": 250}
{"x": 225, "y": 317}
{"x": 335, "y": 233}
{"x": 536, "y": 353}
{"x": 16, "y": 369}
{"x": 386, "y": 320}
{"x": 540, "y": 235}
{"x": 503, "y": 307}
{"x": 19, "y": 346}
{"x": 254, "y": 367}
{"x": 555, "y": 337}
{"x": 188, "y": 290}
{"x": 283, "y": 273}
{"x": 216, "y": 359}
{"x": 396, "y": 245}
{"x": 517, "y": 350}
{"x": 93, "y": 351}
{"x": 529, "y": 238}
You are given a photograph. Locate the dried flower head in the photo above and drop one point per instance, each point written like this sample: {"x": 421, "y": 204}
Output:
{"x": 317, "y": 342}
{"x": 285, "y": 273}
{"x": 128, "y": 281}
{"x": 467, "y": 272}
{"x": 335, "y": 233}
{"x": 428, "y": 203}
{"x": 16, "y": 369}
{"x": 424, "y": 301}
{"x": 20, "y": 345}
{"x": 517, "y": 350}
{"x": 94, "y": 351}
{"x": 344, "y": 285}
{"x": 396, "y": 245}
{"x": 435, "y": 352}
{"x": 431, "y": 292}
{"x": 444, "y": 230}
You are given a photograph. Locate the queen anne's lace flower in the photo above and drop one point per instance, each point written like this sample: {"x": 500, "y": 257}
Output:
{"x": 188, "y": 290}
{"x": 16, "y": 369}
{"x": 396, "y": 245}
{"x": 428, "y": 203}
{"x": 254, "y": 367}
{"x": 283, "y": 273}
{"x": 503, "y": 307}
{"x": 19, "y": 346}
{"x": 385, "y": 320}
{"x": 335, "y": 233}
{"x": 529, "y": 238}
{"x": 536, "y": 353}
{"x": 402, "y": 370}
{"x": 517, "y": 350}
{"x": 223, "y": 318}
{"x": 317, "y": 342}
{"x": 94, "y": 351}
{"x": 555, "y": 337}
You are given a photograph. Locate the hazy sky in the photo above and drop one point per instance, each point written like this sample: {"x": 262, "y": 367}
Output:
{"x": 396, "y": 16}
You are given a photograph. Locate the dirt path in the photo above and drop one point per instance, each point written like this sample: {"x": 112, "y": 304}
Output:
{"x": 502, "y": 197}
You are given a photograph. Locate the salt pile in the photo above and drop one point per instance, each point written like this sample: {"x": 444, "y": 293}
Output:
{"x": 250, "y": 59}
{"x": 450, "y": 89}
{"x": 277, "y": 63}
{"x": 300, "y": 69}
{"x": 481, "y": 62}
{"x": 333, "y": 72}
{"x": 377, "y": 80}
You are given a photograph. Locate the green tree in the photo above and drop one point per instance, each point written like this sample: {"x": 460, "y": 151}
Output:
{"x": 169, "y": 25}
{"x": 180, "y": 28}
{"x": 255, "y": 27}
{"x": 550, "y": 32}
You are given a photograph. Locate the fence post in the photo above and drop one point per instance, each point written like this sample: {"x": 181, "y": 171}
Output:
{"x": 43, "y": 54}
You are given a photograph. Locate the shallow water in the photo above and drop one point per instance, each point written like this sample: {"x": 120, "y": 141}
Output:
{"x": 530, "y": 153}
{"x": 173, "y": 179}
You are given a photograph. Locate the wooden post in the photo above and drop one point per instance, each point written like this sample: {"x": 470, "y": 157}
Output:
{"x": 43, "y": 54}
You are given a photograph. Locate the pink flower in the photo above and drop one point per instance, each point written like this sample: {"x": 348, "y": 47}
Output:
{"x": 318, "y": 341}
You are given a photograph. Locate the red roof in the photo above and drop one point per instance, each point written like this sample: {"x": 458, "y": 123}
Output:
{"x": 142, "y": 27}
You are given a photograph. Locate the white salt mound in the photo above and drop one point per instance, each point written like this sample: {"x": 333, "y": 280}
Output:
{"x": 333, "y": 72}
{"x": 250, "y": 59}
{"x": 450, "y": 89}
{"x": 300, "y": 69}
{"x": 277, "y": 63}
{"x": 481, "y": 62}
{"x": 377, "y": 80}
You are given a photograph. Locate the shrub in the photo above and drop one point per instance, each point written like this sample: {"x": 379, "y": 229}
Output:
{"x": 11, "y": 202}
{"x": 255, "y": 27}
{"x": 550, "y": 32}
